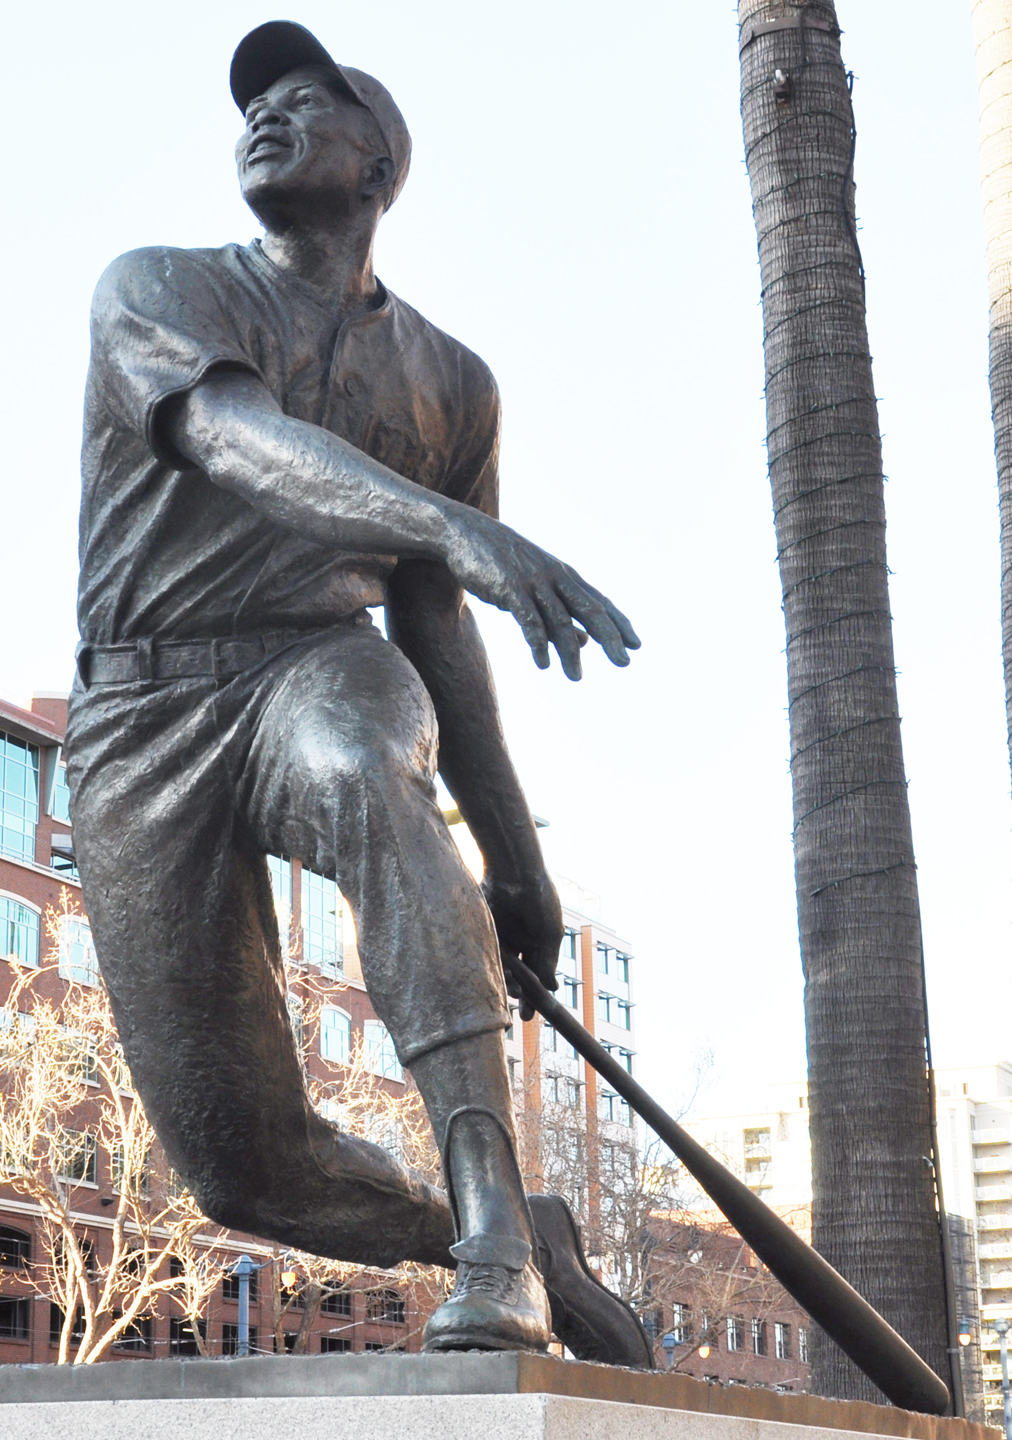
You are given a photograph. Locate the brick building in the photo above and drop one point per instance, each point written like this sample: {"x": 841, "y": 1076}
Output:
{"x": 725, "y": 1317}
{"x": 36, "y": 865}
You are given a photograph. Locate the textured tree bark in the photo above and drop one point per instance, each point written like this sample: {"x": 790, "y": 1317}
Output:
{"x": 874, "y": 1212}
{"x": 992, "y": 33}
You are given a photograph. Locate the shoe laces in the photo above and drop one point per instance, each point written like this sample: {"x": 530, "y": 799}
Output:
{"x": 496, "y": 1280}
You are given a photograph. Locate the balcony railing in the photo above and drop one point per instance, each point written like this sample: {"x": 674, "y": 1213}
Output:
{"x": 993, "y": 1163}
{"x": 994, "y": 1222}
{"x": 993, "y": 1192}
{"x": 1000, "y": 1250}
{"x": 991, "y": 1137}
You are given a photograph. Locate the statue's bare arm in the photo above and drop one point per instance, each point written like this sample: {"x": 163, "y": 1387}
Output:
{"x": 314, "y": 483}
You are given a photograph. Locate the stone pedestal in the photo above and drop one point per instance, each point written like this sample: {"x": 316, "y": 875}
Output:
{"x": 421, "y": 1397}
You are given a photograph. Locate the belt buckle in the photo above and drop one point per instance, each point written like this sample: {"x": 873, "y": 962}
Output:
{"x": 146, "y": 658}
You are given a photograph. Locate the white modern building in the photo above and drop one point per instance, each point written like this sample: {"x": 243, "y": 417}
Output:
{"x": 768, "y": 1147}
{"x": 974, "y": 1116}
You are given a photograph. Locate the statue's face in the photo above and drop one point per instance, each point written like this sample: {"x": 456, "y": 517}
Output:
{"x": 305, "y": 147}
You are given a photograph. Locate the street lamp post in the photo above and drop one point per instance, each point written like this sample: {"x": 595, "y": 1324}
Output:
{"x": 242, "y": 1270}
{"x": 1001, "y": 1328}
{"x": 669, "y": 1341}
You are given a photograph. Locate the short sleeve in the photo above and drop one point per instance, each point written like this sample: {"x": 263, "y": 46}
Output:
{"x": 473, "y": 478}
{"x": 160, "y": 320}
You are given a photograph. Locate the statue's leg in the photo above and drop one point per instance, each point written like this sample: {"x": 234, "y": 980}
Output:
{"x": 183, "y": 920}
{"x": 341, "y": 772}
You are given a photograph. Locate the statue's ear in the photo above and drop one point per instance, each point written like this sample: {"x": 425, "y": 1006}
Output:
{"x": 379, "y": 174}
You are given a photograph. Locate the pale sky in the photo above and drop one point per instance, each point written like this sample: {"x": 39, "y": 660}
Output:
{"x": 578, "y": 213}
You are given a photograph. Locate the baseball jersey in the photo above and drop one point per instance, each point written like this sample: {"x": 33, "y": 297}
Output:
{"x": 166, "y": 552}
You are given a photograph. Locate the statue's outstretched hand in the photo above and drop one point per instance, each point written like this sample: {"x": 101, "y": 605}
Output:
{"x": 543, "y": 594}
{"x": 528, "y": 921}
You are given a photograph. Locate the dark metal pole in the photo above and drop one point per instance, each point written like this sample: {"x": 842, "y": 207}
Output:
{"x": 1002, "y": 1328}
{"x": 873, "y": 1345}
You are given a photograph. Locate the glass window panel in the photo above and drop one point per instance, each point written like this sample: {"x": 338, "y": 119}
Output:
{"x": 335, "y": 1035}
{"x": 280, "y": 869}
{"x": 322, "y": 925}
{"x": 19, "y": 932}
{"x": 60, "y": 807}
{"x": 77, "y": 951}
{"x": 381, "y": 1057}
{"x": 19, "y": 797}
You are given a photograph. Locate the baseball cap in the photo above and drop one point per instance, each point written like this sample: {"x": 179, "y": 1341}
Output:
{"x": 271, "y": 50}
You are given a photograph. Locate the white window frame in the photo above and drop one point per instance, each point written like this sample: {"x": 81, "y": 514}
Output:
{"x": 380, "y": 1053}
{"x": 87, "y": 972}
{"x": 89, "y": 1146}
{"x": 326, "y": 1028}
{"x": 35, "y": 909}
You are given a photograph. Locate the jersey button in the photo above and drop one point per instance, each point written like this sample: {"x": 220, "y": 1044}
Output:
{"x": 351, "y": 386}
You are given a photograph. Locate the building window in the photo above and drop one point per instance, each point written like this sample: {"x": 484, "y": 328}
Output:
{"x": 77, "y": 951}
{"x": 381, "y": 1057}
{"x": 613, "y": 1107}
{"x": 782, "y": 1340}
{"x": 802, "y": 1344}
{"x": 561, "y": 1090}
{"x": 624, "y": 1057}
{"x": 757, "y": 1143}
{"x": 334, "y": 1345}
{"x": 322, "y": 928}
{"x": 735, "y": 1333}
{"x": 554, "y": 1042}
{"x": 613, "y": 962}
{"x": 19, "y": 797}
{"x": 78, "y": 1157}
{"x": 570, "y": 948}
{"x": 510, "y": 1035}
{"x": 570, "y": 992}
{"x": 59, "y": 795}
{"x": 15, "y": 1248}
{"x": 136, "y": 1336}
{"x": 19, "y": 932}
{"x": 386, "y": 1306}
{"x": 279, "y": 867}
{"x": 287, "y": 1345}
{"x": 230, "y": 1339}
{"x": 335, "y": 1035}
{"x": 230, "y": 1287}
{"x": 759, "y": 1337}
{"x": 614, "y": 1011}
{"x": 80, "y": 1056}
{"x": 139, "y": 1181}
{"x": 56, "y": 1325}
{"x": 182, "y": 1336}
{"x": 14, "y": 1319}
{"x": 338, "y": 1302}
{"x": 681, "y": 1329}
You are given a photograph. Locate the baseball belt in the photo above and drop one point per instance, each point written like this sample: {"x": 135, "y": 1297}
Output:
{"x": 153, "y": 659}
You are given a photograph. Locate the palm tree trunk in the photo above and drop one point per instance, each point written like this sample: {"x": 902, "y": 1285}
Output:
{"x": 992, "y": 33}
{"x": 874, "y": 1208}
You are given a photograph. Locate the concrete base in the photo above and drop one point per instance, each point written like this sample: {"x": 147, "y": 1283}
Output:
{"x": 420, "y": 1397}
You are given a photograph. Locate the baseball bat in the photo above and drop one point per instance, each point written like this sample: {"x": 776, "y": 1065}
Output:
{"x": 858, "y": 1329}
